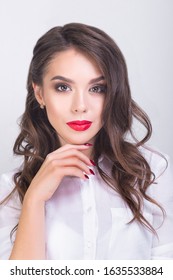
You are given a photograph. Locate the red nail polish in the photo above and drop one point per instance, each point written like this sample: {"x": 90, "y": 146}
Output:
{"x": 88, "y": 144}
{"x": 93, "y": 163}
{"x": 86, "y": 176}
{"x": 92, "y": 172}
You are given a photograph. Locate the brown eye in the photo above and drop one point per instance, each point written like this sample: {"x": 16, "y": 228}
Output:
{"x": 62, "y": 88}
{"x": 98, "y": 89}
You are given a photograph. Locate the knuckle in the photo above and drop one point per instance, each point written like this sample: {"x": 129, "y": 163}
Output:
{"x": 49, "y": 157}
{"x": 53, "y": 164}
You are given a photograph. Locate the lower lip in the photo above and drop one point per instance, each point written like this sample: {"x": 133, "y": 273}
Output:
{"x": 79, "y": 127}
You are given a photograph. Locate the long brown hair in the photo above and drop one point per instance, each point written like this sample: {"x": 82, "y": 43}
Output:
{"x": 131, "y": 174}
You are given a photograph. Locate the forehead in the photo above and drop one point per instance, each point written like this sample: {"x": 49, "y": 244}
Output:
{"x": 73, "y": 62}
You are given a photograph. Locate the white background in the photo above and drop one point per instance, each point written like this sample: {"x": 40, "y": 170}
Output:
{"x": 143, "y": 30}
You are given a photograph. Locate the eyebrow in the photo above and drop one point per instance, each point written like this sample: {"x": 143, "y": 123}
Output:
{"x": 95, "y": 80}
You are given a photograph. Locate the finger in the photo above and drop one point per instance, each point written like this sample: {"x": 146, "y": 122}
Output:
{"x": 73, "y": 162}
{"x": 75, "y": 172}
{"x": 70, "y": 146}
{"x": 69, "y": 153}
{"x": 75, "y": 153}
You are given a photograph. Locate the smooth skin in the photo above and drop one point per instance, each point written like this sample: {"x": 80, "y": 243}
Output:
{"x": 73, "y": 89}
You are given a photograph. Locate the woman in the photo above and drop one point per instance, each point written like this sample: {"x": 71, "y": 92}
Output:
{"x": 87, "y": 189}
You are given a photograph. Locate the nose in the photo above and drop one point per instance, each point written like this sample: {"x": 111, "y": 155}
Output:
{"x": 79, "y": 103}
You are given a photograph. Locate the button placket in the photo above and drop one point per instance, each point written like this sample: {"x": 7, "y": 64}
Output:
{"x": 89, "y": 219}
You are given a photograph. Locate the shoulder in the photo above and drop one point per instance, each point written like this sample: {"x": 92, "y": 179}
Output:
{"x": 158, "y": 161}
{"x": 10, "y": 211}
{"x": 7, "y": 183}
{"x": 10, "y": 204}
{"x": 161, "y": 166}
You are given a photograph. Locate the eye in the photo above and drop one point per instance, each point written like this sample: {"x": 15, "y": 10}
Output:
{"x": 62, "y": 88}
{"x": 98, "y": 89}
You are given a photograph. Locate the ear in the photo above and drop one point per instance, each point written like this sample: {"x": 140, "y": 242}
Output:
{"x": 38, "y": 94}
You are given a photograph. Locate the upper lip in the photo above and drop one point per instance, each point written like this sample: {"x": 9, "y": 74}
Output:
{"x": 79, "y": 122}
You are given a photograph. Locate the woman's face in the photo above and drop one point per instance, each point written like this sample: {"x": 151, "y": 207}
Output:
{"x": 73, "y": 93}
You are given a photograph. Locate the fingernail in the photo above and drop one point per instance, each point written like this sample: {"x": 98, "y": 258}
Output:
{"x": 93, "y": 163}
{"x": 88, "y": 144}
{"x": 92, "y": 172}
{"x": 86, "y": 176}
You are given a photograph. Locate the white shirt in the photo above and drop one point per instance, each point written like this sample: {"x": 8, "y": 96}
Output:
{"x": 86, "y": 219}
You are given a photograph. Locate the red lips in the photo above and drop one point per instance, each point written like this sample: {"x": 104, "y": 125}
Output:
{"x": 79, "y": 125}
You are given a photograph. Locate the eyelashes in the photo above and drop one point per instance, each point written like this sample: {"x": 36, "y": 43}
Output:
{"x": 61, "y": 87}
{"x": 99, "y": 89}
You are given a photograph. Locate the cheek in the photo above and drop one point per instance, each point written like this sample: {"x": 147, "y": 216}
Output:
{"x": 99, "y": 108}
{"x": 53, "y": 111}
{"x": 55, "y": 104}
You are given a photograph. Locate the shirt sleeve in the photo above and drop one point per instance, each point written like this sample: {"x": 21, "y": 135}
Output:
{"x": 9, "y": 214}
{"x": 163, "y": 194}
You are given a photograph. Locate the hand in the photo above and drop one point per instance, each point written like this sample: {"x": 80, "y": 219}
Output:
{"x": 66, "y": 161}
